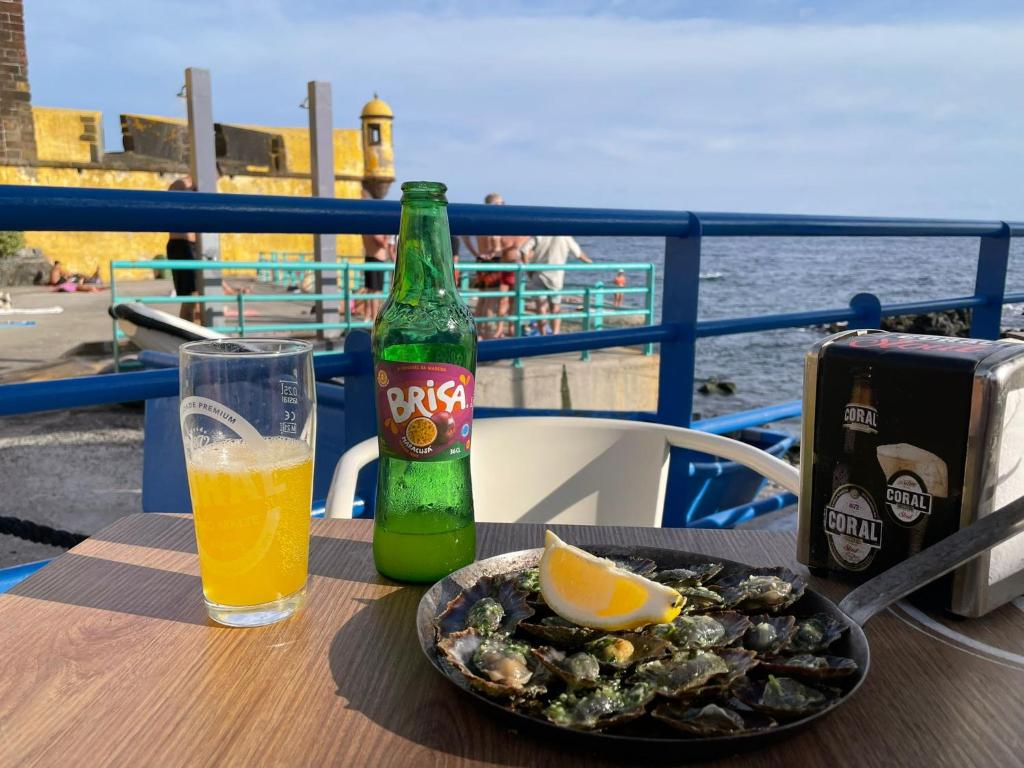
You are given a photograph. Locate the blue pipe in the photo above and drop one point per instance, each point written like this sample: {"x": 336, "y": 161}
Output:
{"x": 938, "y": 305}
{"x": 734, "y": 325}
{"x": 105, "y": 389}
{"x": 533, "y": 346}
{"x": 39, "y": 208}
{"x": 793, "y": 225}
{"x": 733, "y": 422}
{"x": 30, "y": 208}
{"x": 57, "y": 394}
{"x": 727, "y": 518}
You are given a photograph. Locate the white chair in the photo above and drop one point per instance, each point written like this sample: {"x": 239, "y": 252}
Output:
{"x": 570, "y": 470}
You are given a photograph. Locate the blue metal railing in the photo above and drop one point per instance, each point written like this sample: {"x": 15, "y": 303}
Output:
{"x": 45, "y": 208}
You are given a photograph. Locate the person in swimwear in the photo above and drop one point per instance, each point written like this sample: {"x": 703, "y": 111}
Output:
{"x": 488, "y": 249}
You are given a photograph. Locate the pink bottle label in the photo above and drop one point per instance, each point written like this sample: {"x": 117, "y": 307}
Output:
{"x": 424, "y": 410}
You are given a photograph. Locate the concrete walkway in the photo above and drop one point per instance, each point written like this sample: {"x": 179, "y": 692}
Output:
{"x": 78, "y": 470}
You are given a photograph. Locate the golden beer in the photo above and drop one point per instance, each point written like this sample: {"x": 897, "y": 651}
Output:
{"x": 251, "y": 505}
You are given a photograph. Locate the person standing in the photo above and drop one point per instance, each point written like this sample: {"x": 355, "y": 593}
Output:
{"x": 552, "y": 250}
{"x": 487, "y": 250}
{"x": 620, "y": 282}
{"x": 378, "y": 251}
{"x": 510, "y": 245}
{"x": 181, "y": 246}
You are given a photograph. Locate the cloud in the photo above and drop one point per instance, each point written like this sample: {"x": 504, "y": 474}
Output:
{"x": 614, "y": 108}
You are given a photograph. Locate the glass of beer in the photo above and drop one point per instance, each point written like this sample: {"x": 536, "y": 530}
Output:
{"x": 248, "y": 423}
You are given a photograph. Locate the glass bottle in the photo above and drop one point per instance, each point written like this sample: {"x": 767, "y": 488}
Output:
{"x": 424, "y": 352}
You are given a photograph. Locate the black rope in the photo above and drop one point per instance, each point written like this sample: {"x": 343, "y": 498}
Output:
{"x": 40, "y": 534}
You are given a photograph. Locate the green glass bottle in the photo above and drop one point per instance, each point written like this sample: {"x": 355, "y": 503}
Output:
{"x": 424, "y": 355}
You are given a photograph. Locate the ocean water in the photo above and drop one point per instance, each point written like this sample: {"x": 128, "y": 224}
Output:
{"x": 761, "y": 275}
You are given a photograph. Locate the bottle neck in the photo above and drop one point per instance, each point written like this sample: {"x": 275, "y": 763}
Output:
{"x": 424, "y": 267}
{"x": 862, "y": 393}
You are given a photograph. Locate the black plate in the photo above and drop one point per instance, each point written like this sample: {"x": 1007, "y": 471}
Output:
{"x": 853, "y": 645}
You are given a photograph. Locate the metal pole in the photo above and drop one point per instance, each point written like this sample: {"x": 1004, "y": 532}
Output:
{"x": 113, "y": 303}
{"x": 585, "y": 355}
{"x": 990, "y": 284}
{"x": 203, "y": 165}
{"x": 348, "y": 297}
{"x": 519, "y": 300}
{"x": 649, "y": 298}
{"x": 325, "y": 247}
{"x": 868, "y": 310}
{"x": 676, "y": 371}
{"x": 241, "y": 314}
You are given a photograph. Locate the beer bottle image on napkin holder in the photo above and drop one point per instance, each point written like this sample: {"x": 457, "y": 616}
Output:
{"x": 907, "y": 438}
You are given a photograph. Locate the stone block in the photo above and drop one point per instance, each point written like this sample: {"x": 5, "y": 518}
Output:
{"x": 23, "y": 267}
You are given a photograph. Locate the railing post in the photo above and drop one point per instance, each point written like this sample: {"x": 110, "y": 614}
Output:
{"x": 519, "y": 300}
{"x": 990, "y": 285}
{"x": 347, "y": 298}
{"x": 240, "y": 297}
{"x": 868, "y": 310}
{"x": 649, "y": 304}
{"x": 113, "y": 321}
{"x": 360, "y": 409}
{"x": 585, "y": 355}
{"x": 520, "y": 305}
{"x": 676, "y": 369}
{"x": 598, "y": 305}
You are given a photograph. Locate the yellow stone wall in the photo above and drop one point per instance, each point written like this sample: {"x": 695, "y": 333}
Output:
{"x": 60, "y": 134}
{"x": 59, "y": 139}
{"x": 85, "y": 251}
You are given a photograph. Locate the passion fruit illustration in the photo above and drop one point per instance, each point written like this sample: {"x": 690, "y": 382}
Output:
{"x": 445, "y": 424}
{"x": 421, "y": 432}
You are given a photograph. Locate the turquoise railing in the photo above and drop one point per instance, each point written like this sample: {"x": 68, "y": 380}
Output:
{"x": 592, "y": 312}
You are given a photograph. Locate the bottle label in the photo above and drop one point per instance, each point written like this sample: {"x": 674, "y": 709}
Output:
{"x": 424, "y": 410}
{"x": 853, "y": 527}
{"x": 907, "y": 498}
{"x": 860, "y": 418}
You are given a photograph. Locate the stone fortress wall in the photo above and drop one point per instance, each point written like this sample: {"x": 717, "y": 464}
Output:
{"x": 64, "y": 147}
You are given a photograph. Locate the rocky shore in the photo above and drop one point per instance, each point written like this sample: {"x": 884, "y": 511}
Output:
{"x": 952, "y": 322}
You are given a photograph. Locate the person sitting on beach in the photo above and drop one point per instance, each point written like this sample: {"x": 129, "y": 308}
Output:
{"x": 553, "y": 250}
{"x": 58, "y": 274}
{"x": 68, "y": 282}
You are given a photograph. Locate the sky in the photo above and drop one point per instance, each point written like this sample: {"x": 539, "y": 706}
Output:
{"x": 873, "y": 108}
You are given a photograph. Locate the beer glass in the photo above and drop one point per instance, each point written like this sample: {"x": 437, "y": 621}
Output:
{"x": 248, "y": 423}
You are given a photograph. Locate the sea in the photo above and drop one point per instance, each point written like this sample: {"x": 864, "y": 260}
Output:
{"x": 742, "y": 277}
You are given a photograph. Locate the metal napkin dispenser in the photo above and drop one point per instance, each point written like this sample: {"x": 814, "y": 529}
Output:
{"x": 906, "y": 439}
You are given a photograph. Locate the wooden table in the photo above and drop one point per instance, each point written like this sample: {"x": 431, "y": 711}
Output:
{"x": 109, "y": 659}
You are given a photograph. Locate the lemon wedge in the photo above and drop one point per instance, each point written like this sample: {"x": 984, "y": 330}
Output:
{"x": 592, "y": 592}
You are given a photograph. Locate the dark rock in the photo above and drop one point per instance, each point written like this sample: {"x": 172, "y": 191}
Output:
{"x": 952, "y": 322}
{"x": 716, "y": 386}
{"x": 26, "y": 267}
